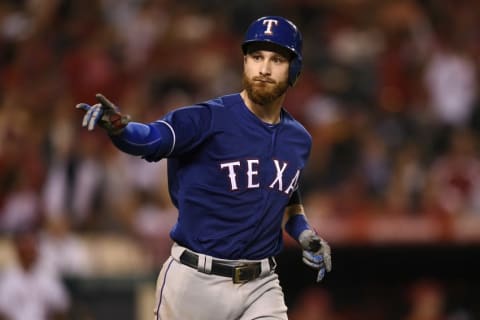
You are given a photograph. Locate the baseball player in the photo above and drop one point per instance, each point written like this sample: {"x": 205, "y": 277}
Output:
{"x": 234, "y": 164}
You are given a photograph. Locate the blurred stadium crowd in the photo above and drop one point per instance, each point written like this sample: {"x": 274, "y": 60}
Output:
{"x": 389, "y": 92}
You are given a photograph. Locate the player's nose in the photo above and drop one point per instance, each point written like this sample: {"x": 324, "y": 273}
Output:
{"x": 265, "y": 68}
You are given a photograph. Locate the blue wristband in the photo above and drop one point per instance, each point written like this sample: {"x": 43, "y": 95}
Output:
{"x": 296, "y": 225}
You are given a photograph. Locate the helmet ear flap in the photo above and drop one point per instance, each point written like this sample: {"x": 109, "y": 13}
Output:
{"x": 294, "y": 71}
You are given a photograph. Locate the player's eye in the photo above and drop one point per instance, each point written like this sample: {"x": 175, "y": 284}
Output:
{"x": 279, "y": 59}
{"x": 256, "y": 57}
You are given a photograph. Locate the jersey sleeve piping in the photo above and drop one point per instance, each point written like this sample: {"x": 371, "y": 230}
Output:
{"x": 173, "y": 137}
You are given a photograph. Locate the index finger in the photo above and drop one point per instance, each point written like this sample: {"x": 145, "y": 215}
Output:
{"x": 104, "y": 101}
{"x": 83, "y": 106}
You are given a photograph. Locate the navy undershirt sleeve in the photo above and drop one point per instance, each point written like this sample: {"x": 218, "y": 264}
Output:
{"x": 295, "y": 199}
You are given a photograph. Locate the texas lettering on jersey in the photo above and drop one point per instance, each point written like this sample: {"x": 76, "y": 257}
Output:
{"x": 250, "y": 167}
{"x": 226, "y": 166}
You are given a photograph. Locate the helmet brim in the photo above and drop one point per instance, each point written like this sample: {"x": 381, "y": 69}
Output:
{"x": 252, "y": 46}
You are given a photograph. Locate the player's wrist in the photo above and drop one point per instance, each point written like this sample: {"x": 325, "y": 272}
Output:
{"x": 296, "y": 225}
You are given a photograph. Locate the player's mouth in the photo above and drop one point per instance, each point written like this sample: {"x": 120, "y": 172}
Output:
{"x": 264, "y": 80}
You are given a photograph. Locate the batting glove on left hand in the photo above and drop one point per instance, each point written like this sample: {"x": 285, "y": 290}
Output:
{"x": 105, "y": 114}
{"x": 316, "y": 253}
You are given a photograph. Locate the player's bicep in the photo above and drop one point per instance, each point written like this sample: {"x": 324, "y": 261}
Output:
{"x": 190, "y": 126}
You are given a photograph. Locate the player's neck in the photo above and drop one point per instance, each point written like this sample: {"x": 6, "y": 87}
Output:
{"x": 269, "y": 113}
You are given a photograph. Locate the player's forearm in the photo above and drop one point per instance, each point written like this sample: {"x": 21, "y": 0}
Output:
{"x": 145, "y": 139}
{"x": 296, "y": 221}
{"x": 291, "y": 211}
{"x": 294, "y": 217}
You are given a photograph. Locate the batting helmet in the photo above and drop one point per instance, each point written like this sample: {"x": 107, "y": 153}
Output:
{"x": 279, "y": 31}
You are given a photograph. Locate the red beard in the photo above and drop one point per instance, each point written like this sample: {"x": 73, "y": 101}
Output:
{"x": 263, "y": 93}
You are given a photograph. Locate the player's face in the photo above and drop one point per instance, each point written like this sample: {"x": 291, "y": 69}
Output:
{"x": 265, "y": 76}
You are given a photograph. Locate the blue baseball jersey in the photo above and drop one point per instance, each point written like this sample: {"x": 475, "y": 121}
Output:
{"x": 230, "y": 174}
